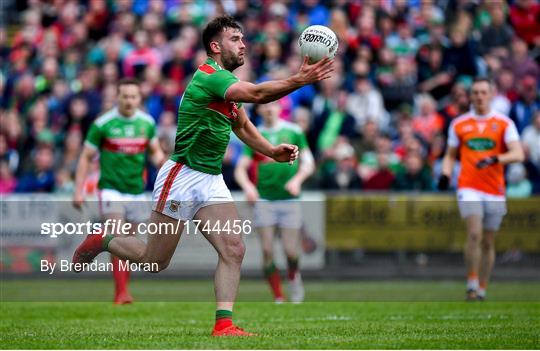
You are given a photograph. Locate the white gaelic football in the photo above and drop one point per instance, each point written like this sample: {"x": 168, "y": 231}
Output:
{"x": 318, "y": 42}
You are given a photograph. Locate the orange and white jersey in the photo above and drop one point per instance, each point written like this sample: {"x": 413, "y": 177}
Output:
{"x": 478, "y": 137}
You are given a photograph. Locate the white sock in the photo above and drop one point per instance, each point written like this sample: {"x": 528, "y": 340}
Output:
{"x": 472, "y": 284}
{"x": 481, "y": 292}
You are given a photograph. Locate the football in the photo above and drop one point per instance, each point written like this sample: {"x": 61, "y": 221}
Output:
{"x": 318, "y": 42}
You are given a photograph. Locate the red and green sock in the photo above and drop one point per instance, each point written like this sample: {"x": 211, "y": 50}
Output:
{"x": 292, "y": 264}
{"x": 272, "y": 276}
{"x": 223, "y": 319}
{"x": 121, "y": 277}
{"x": 106, "y": 240}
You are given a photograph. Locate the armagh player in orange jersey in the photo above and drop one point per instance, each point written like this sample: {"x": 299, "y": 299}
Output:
{"x": 485, "y": 141}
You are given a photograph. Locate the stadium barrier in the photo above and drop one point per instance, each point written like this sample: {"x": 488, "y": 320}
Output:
{"x": 420, "y": 223}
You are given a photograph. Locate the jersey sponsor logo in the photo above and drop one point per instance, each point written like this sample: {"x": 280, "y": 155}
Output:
{"x": 480, "y": 144}
{"x": 129, "y": 130}
{"x": 125, "y": 145}
{"x": 226, "y": 108}
{"x": 116, "y": 131}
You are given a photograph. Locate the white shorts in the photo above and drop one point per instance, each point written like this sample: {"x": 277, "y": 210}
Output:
{"x": 134, "y": 208}
{"x": 280, "y": 213}
{"x": 491, "y": 208}
{"x": 179, "y": 191}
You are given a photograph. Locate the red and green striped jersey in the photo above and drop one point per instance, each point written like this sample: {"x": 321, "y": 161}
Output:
{"x": 271, "y": 176}
{"x": 205, "y": 119}
{"x": 122, "y": 143}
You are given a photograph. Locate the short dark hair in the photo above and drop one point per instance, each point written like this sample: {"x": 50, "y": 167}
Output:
{"x": 216, "y": 27}
{"x": 128, "y": 81}
{"x": 482, "y": 79}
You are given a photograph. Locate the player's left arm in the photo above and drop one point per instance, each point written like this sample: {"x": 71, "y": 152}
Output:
{"x": 514, "y": 154}
{"x": 248, "y": 133}
{"x": 157, "y": 156}
{"x": 514, "y": 151}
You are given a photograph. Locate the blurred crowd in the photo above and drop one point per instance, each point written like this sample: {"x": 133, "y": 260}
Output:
{"x": 403, "y": 71}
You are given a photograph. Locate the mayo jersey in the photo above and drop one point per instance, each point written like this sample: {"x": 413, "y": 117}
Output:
{"x": 122, "y": 143}
{"x": 205, "y": 119}
{"x": 271, "y": 176}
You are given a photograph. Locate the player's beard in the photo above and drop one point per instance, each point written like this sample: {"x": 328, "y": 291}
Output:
{"x": 231, "y": 61}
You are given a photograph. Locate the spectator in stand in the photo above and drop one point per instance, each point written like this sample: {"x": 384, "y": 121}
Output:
{"x": 8, "y": 155}
{"x": 522, "y": 111}
{"x": 519, "y": 61}
{"x": 401, "y": 86}
{"x": 141, "y": 57}
{"x": 518, "y": 184}
{"x": 369, "y": 160}
{"x": 428, "y": 122}
{"x": 531, "y": 145}
{"x": 42, "y": 178}
{"x": 365, "y": 34}
{"x": 365, "y": 102}
{"x": 460, "y": 56}
{"x": 78, "y": 115}
{"x": 525, "y": 18}
{"x": 433, "y": 77}
{"x": 382, "y": 178}
{"x": 97, "y": 19}
{"x": 366, "y": 142}
{"x": 457, "y": 105}
{"x": 339, "y": 167}
{"x": 329, "y": 117}
{"x": 416, "y": 175}
{"x": 496, "y": 37}
{"x": 402, "y": 43}
{"x": 8, "y": 182}
{"x": 506, "y": 84}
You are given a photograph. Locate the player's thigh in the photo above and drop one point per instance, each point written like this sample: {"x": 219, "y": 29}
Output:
{"x": 290, "y": 237}
{"x": 221, "y": 226}
{"x": 471, "y": 209}
{"x": 495, "y": 210}
{"x": 163, "y": 234}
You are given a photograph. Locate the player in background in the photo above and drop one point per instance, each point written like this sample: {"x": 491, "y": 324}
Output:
{"x": 190, "y": 184}
{"x": 276, "y": 187}
{"x": 486, "y": 141}
{"x": 121, "y": 137}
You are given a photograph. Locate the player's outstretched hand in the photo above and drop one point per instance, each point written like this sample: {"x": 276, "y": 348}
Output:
{"x": 285, "y": 153}
{"x": 488, "y": 161}
{"x": 78, "y": 201}
{"x": 444, "y": 183}
{"x": 309, "y": 74}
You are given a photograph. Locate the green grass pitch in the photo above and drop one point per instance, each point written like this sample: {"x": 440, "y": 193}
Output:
{"x": 176, "y": 314}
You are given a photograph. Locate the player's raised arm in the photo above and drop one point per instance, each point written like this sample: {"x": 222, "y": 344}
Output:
{"x": 273, "y": 90}
{"x": 87, "y": 155}
{"x": 248, "y": 133}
